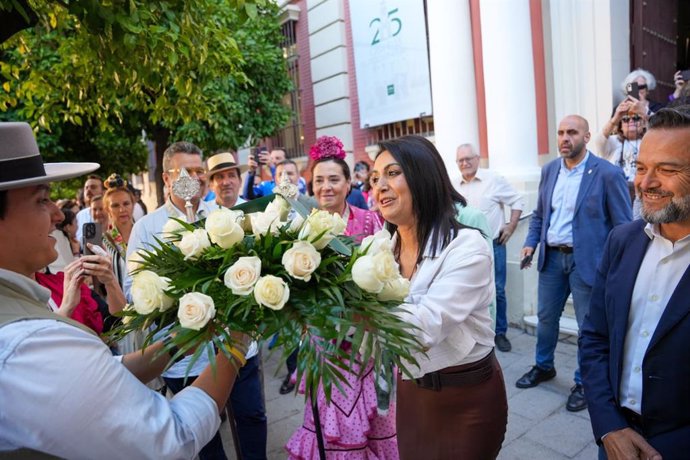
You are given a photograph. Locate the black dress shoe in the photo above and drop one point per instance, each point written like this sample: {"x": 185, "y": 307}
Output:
{"x": 534, "y": 377}
{"x": 576, "y": 400}
{"x": 287, "y": 385}
{"x": 502, "y": 343}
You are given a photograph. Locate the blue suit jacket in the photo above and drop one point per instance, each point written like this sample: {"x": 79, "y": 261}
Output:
{"x": 603, "y": 202}
{"x": 666, "y": 365}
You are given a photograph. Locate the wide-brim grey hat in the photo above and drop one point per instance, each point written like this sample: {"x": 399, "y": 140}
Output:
{"x": 21, "y": 164}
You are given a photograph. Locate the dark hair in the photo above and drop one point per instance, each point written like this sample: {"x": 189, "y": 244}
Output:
{"x": 433, "y": 195}
{"x": 669, "y": 118}
{"x": 288, "y": 162}
{"x": 362, "y": 165}
{"x": 69, "y": 218}
{"x": 179, "y": 147}
{"x": 338, "y": 161}
{"x": 3, "y": 203}
{"x": 94, "y": 176}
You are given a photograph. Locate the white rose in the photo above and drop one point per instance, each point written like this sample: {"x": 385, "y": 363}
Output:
{"x": 196, "y": 310}
{"x": 265, "y": 222}
{"x": 385, "y": 266}
{"x": 379, "y": 241}
{"x": 223, "y": 228}
{"x": 243, "y": 275}
{"x": 171, "y": 230}
{"x": 296, "y": 224}
{"x": 148, "y": 292}
{"x": 396, "y": 289}
{"x": 362, "y": 275}
{"x": 193, "y": 243}
{"x": 301, "y": 260}
{"x": 279, "y": 206}
{"x": 322, "y": 222}
{"x": 272, "y": 292}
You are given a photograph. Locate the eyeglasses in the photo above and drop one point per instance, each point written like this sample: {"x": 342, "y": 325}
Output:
{"x": 634, "y": 119}
{"x": 465, "y": 160}
{"x": 191, "y": 171}
{"x": 641, "y": 87}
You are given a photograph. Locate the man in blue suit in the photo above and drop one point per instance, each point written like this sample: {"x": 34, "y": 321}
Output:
{"x": 581, "y": 198}
{"x": 635, "y": 341}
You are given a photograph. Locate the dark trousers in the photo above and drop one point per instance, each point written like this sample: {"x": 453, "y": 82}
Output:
{"x": 500, "y": 280}
{"x": 247, "y": 404}
{"x": 250, "y": 414}
{"x": 291, "y": 362}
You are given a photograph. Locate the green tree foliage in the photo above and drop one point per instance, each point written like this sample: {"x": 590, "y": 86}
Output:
{"x": 90, "y": 75}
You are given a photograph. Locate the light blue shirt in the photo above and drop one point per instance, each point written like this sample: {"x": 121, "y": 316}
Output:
{"x": 65, "y": 394}
{"x": 143, "y": 237}
{"x": 563, "y": 203}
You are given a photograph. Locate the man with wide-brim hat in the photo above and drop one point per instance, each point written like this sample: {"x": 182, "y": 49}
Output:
{"x": 224, "y": 178}
{"x": 62, "y": 393}
{"x": 246, "y": 400}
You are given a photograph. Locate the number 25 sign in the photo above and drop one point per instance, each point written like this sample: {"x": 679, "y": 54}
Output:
{"x": 376, "y": 23}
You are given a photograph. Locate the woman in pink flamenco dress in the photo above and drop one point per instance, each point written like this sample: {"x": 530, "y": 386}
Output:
{"x": 351, "y": 425}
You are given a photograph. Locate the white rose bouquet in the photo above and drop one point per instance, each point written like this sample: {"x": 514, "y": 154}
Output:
{"x": 247, "y": 269}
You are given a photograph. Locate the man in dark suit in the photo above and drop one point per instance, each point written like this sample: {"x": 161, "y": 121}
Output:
{"x": 581, "y": 198}
{"x": 635, "y": 341}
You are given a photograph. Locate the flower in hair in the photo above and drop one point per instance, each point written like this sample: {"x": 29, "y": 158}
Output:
{"x": 327, "y": 147}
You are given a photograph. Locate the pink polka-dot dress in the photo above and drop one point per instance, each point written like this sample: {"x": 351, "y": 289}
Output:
{"x": 351, "y": 426}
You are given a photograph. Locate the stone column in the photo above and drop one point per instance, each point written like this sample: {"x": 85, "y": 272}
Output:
{"x": 452, "y": 78}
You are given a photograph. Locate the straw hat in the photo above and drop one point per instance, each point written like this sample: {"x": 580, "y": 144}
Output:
{"x": 223, "y": 162}
{"x": 21, "y": 164}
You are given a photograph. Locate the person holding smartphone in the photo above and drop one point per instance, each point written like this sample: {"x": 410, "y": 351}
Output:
{"x": 645, "y": 84}
{"x": 62, "y": 393}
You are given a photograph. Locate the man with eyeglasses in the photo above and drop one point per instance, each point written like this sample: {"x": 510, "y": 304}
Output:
{"x": 581, "y": 198}
{"x": 144, "y": 233}
{"x": 491, "y": 193}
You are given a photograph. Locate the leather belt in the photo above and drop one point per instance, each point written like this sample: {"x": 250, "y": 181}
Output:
{"x": 478, "y": 372}
{"x": 562, "y": 248}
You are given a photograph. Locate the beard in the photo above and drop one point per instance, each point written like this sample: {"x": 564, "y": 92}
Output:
{"x": 574, "y": 152}
{"x": 677, "y": 210}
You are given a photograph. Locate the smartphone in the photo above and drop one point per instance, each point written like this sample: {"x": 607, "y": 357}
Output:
{"x": 263, "y": 157}
{"x": 91, "y": 233}
{"x": 633, "y": 90}
{"x": 526, "y": 261}
{"x": 685, "y": 75}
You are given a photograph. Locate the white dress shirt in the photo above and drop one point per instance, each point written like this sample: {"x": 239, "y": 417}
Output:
{"x": 137, "y": 212}
{"x": 62, "y": 392}
{"x": 142, "y": 237}
{"x": 490, "y": 192}
{"x": 83, "y": 217}
{"x": 449, "y": 301}
{"x": 662, "y": 268}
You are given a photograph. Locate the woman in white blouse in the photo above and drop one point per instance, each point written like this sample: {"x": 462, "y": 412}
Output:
{"x": 455, "y": 405}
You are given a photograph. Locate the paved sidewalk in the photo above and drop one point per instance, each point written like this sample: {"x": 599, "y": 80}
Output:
{"x": 539, "y": 427}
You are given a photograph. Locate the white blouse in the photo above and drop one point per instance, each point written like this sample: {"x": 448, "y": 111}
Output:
{"x": 449, "y": 301}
